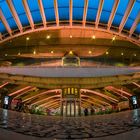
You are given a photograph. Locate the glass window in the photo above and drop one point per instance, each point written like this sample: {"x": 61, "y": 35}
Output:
{"x": 92, "y": 10}
{"x": 49, "y": 10}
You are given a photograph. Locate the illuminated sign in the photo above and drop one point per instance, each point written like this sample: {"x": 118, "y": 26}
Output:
{"x": 70, "y": 93}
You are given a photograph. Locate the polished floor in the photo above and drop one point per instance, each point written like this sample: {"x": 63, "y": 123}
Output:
{"x": 116, "y": 126}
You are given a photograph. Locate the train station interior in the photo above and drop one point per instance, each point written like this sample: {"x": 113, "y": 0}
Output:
{"x": 69, "y": 64}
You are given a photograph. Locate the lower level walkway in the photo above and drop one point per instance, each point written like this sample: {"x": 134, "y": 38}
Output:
{"x": 117, "y": 126}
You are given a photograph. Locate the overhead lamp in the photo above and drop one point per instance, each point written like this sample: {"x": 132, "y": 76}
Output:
{"x": 122, "y": 53}
{"x": 27, "y": 38}
{"x": 48, "y": 37}
{"x": 70, "y": 36}
{"x": 70, "y": 52}
{"x": 90, "y": 52}
{"x": 114, "y": 37}
{"x": 135, "y": 54}
{"x": 106, "y": 53}
{"x": 18, "y": 53}
{"x": 93, "y": 37}
{"x": 34, "y": 52}
{"x": 52, "y": 51}
{"x": 6, "y": 54}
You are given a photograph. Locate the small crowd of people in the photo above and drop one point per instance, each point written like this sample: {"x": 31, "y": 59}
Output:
{"x": 92, "y": 110}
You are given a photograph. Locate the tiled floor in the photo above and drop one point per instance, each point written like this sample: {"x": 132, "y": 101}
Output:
{"x": 117, "y": 126}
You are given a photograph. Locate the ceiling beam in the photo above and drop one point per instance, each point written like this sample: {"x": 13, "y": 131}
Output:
{"x": 53, "y": 105}
{"x": 4, "y": 84}
{"x": 28, "y": 13}
{"x": 112, "y": 15}
{"x": 101, "y": 95}
{"x": 50, "y": 102}
{"x": 26, "y": 91}
{"x": 110, "y": 88}
{"x": 42, "y": 93}
{"x": 119, "y": 90}
{"x": 95, "y": 99}
{"x": 126, "y": 14}
{"x": 45, "y": 99}
{"x": 70, "y": 11}
{"x": 85, "y": 12}
{"x": 4, "y": 21}
{"x": 91, "y": 102}
{"x": 136, "y": 84}
{"x": 99, "y": 13}
{"x": 20, "y": 90}
{"x": 15, "y": 15}
{"x": 42, "y": 12}
{"x": 134, "y": 26}
{"x": 56, "y": 12}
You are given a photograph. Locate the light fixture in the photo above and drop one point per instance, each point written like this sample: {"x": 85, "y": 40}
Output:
{"x": 52, "y": 52}
{"x": 6, "y": 54}
{"x": 122, "y": 53}
{"x": 70, "y": 52}
{"x": 135, "y": 54}
{"x": 27, "y": 38}
{"x": 90, "y": 52}
{"x": 114, "y": 37}
{"x": 48, "y": 37}
{"x": 93, "y": 37}
{"x": 70, "y": 36}
{"x": 18, "y": 53}
{"x": 106, "y": 53}
{"x": 34, "y": 52}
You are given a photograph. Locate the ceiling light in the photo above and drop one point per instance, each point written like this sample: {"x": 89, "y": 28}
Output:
{"x": 90, "y": 52}
{"x": 27, "y": 38}
{"x": 93, "y": 37}
{"x": 113, "y": 38}
{"x": 135, "y": 54}
{"x": 52, "y": 52}
{"x": 48, "y": 37}
{"x": 70, "y": 52}
{"x": 106, "y": 53}
{"x": 34, "y": 52}
{"x": 122, "y": 53}
{"x": 18, "y": 53}
{"x": 70, "y": 36}
{"x": 6, "y": 54}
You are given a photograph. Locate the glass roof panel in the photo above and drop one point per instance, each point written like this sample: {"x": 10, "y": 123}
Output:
{"x": 2, "y": 28}
{"x": 78, "y": 8}
{"x": 49, "y": 10}
{"x": 8, "y": 15}
{"x": 120, "y": 12}
{"x": 137, "y": 31}
{"x": 133, "y": 15}
{"x": 104, "y": 17}
{"x": 35, "y": 11}
{"x": 92, "y": 10}
{"x": 128, "y": 24}
{"x": 21, "y": 12}
{"x": 63, "y": 8}
{"x": 107, "y": 8}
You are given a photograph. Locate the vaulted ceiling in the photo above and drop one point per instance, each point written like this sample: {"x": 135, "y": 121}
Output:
{"x": 117, "y": 17}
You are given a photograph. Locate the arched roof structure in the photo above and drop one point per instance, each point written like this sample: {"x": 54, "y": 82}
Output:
{"x": 119, "y": 17}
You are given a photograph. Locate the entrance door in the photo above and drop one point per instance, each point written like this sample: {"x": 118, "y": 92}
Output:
{"x": 70, "y": 108}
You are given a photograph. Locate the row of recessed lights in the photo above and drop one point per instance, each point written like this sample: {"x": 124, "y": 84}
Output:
{"x": 93, "y": 37}
{"x": 121, "y": 53}
{"x": 47, "y": 37}
{"x": 90, "y": 52}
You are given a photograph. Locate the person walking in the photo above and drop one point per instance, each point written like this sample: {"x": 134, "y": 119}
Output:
{"x": 86, "y": 112}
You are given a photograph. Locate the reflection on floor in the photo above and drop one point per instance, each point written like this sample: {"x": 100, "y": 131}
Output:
{"x": 57, "y": 127}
